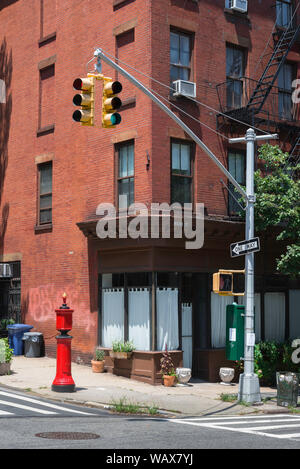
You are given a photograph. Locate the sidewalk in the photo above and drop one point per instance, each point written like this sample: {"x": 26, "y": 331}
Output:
{"x": 35, "y": 375}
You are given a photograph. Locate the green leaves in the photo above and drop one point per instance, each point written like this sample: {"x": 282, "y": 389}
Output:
{"x": 278, "y": 204}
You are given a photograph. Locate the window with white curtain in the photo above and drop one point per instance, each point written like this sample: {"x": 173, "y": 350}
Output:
{"x": 218, "y": 319}
{"x": 167, "y": 318}
{"x": 139, "y": 317}
{"x": 294, "y": 302}
{"x": 274, "y": 316}
{"x": 187, "y": 334}
{"x": 112, "y": 315}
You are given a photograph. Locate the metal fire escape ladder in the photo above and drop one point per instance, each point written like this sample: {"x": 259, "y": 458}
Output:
{"x": 268, "y": 78}
{"x": 295, "y": 152}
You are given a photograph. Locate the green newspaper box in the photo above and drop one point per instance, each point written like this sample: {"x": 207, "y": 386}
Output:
{"x": 235, "y": 331}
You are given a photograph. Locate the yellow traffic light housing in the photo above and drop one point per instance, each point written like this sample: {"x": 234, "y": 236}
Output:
{"x": 223, "y": 282}
{"x": 111, "y": 103}
{"x": 85, "y": 100}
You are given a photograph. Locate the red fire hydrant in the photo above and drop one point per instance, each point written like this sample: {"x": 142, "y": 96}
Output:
{"x": 63, "y": 381}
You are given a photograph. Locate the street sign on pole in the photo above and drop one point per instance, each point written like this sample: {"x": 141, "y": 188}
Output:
{"x": 244, "y": 247}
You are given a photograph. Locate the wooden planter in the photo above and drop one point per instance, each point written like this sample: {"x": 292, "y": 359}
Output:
{"x": 169, "y": 380}
{"x": 97, "y": 366}
{"x": 4, "y": 368}
{"x": 120, "y": 355}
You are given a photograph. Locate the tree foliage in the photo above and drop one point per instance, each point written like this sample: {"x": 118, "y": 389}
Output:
{"x": 278, "y": 204}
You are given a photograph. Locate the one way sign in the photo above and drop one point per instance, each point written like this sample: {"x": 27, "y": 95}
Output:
{"x": 244, "y": 247}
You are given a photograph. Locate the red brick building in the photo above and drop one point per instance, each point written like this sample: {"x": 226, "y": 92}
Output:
{"x": 54, "y": 172}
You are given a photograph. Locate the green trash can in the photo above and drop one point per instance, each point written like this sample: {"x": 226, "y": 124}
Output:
{"x": 287, "y": 388}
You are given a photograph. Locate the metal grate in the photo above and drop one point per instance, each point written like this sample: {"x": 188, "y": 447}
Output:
{"x": 68, "y": 436}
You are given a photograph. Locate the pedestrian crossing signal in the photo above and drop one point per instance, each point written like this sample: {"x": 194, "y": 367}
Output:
{"x": 224, "y": 280}
{"x": 84, "y": 99}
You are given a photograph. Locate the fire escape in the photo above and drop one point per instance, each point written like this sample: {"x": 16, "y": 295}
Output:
{"x": 258, "y": 103}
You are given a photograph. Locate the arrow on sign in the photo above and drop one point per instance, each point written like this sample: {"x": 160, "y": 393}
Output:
{"x": 244, "y": 247}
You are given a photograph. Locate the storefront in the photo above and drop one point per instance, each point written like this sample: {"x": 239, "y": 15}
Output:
{"x": 156, "y": 293}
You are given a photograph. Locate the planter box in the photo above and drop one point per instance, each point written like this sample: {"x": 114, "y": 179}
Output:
{"x": 120, "y": 355}
{"x": 143, "y": 366}
{"x": 4, "y": 368}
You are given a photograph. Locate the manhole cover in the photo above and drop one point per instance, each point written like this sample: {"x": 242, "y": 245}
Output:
{"x": 68, "y": 435}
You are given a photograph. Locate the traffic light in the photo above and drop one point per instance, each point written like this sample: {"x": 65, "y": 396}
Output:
{"x": 223, "y": 283}
{"x": 229, "y": 282}
{"x": 85, "y": 100}
{"x": 111, "y": 103}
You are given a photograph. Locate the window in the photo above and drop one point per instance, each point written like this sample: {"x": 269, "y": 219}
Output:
{"x": 45, "y": 194}
{"x": 285, "y": 79}
{"x": 180, "y": 56}
{"x": 126, "y": 306}
{"x": 236, "y": 167}
{"x": 235, "y": 69}
{"x": 125, "y": 175}
{"x": 181, "y": 172}
{"x": 284, "y": 12}
{"x": 47, "y": 97}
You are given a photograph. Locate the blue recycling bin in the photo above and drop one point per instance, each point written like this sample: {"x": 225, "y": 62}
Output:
{"x": 15, "y": 336}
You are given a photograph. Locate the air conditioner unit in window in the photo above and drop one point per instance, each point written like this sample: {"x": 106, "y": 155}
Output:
{"x": 239, "y": 5}
{"x": 5, "y": 271}
{"x": 184, "y": 88}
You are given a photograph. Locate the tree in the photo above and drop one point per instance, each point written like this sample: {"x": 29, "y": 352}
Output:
{"x": 277, "y": 189}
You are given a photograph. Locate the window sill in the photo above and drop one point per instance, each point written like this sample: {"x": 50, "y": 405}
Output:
{"x": 48, "y": 129}
{"x": 46, "y": 39}
{"x": 46, "y": 228}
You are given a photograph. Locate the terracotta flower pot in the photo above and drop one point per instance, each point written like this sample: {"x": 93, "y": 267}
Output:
{"x": 4, "y": 368}
{"x": 97, "y": 366}
{"x": 169, "y": 380}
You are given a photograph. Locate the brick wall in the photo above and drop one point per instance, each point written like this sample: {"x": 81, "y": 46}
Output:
{"x": 58, "y": 259}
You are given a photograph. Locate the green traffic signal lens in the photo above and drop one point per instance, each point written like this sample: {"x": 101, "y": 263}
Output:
{"x": 115, "y": 118}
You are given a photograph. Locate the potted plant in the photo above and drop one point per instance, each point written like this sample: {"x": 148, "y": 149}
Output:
{"x": 167, "y": 369}
{"x": 98, "y": 362}
{"x": 121, "y": 349}
{"x": 6, "y": 354}
{"x": 3, "y": 326}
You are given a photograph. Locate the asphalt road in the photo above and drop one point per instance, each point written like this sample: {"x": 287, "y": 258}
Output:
{"x": 27, "y": 422}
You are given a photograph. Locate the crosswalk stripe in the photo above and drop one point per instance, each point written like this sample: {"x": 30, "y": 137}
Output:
{"x": 244, "y": 417}
{"x": 45, "y": 404}
{"x": 3, "y": 412}
{"x": 230, "y": 424}
{"x": 259, "y": 421}
{"x": 26, "y": 407}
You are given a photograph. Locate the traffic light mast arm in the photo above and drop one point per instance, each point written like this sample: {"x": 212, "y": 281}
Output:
{"x": 99, "y": 54}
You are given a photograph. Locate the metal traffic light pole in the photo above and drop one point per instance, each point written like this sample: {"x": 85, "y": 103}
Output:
{"x": 249, "y": 385}
{"x": 249, "y": 390}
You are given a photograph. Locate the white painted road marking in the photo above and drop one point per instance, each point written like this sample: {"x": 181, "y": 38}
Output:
{"x": 37, "y": 402}
{"x": 231, "y": 424}
{"x": 3, "y": 412}
{"x": 26, "y": 407}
